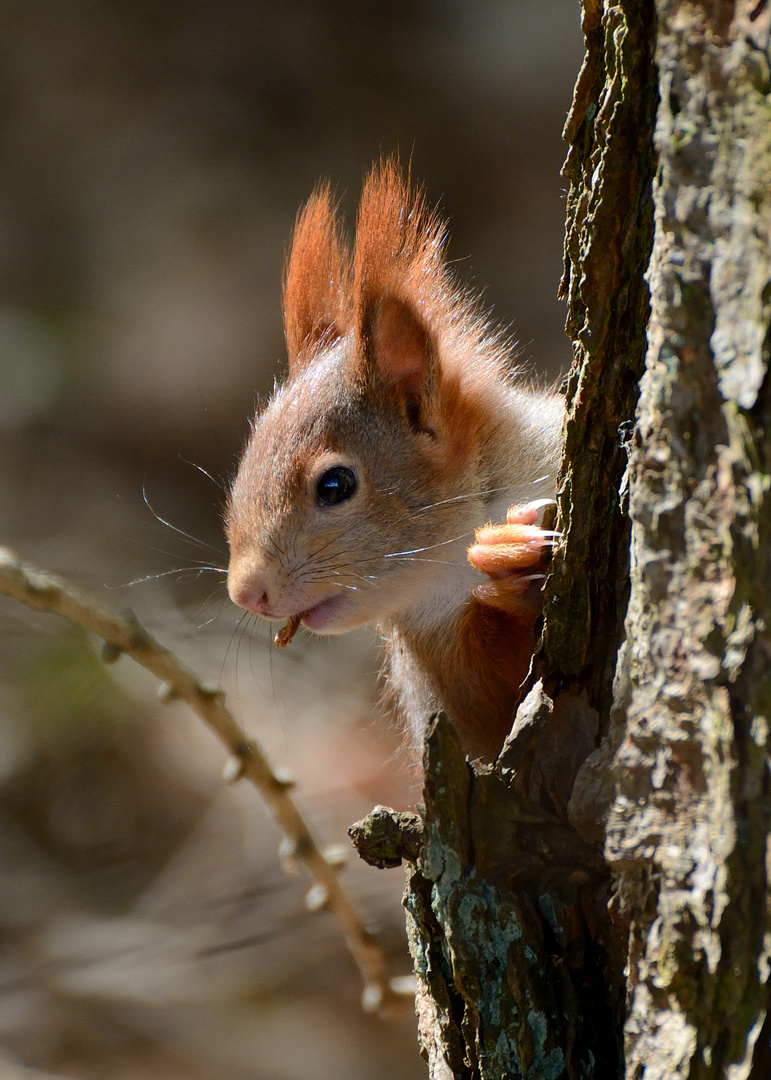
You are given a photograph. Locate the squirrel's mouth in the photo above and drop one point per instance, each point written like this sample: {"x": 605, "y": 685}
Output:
{"x": 319, "y": 617}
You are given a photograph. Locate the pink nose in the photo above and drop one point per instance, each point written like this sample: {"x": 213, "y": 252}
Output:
{"x": 251, "y": 595}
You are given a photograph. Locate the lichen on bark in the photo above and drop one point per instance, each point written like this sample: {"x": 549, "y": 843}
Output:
{"x": 689, "y": 829}
{"x": 495, "y": 930}
{"x": 526, "y": 968}
{"x": 518, "y": 963}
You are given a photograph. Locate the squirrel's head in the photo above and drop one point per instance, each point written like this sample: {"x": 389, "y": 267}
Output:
{"x": 352, "y": 491}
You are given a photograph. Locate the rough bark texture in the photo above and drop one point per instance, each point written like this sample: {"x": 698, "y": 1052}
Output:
{"x": 508, "y": 983}
{"x": 519, "y": 965}
{"x": 607, "y": 247}
{"x": 688, "y": 834}
{"x": 596, "y": 904}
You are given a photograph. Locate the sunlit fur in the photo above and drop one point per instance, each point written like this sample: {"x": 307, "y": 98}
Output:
{"x": 394, "y": 374}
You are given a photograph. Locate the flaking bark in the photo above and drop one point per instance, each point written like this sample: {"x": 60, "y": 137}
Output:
{"x": 518, "y": 962}
{"x": 688, "y": 833}
{"x": 597, "y": 903}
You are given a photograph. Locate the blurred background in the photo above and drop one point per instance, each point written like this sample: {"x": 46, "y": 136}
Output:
{"x": 152, "y": 159}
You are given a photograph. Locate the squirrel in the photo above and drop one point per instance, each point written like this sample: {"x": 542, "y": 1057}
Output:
{"x": 401, "y": 434}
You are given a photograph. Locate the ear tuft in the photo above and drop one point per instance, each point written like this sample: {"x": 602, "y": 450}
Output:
{"x": 317, "y": 281}
{"x": 400, "y": 284}
{"x": 399, "y": 244}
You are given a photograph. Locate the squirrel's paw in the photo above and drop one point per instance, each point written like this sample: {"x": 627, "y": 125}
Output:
{"x": 512, "y": 556}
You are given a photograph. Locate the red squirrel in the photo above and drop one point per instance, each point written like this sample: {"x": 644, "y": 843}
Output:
{"x": 400, "y": 431}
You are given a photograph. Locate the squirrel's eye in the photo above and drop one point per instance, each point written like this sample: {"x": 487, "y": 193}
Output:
{"x": 335, "y": 485}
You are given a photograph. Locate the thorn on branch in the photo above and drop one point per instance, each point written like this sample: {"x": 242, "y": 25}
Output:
{"x": 234, "y": 769}
{"x": 372, "y": 998}
{"x": 292, "y": 849}
{"x": 8, "y": 559}
{"x": 284, "y": 779}
{"x": 166, "y": 693}
{"x": 112, "y": 653}
{"x": 235, "y": 766}
{"x": 317, "y": 897}
{"x": 287, "y": 855}
{"x": 336, "y": 856}
{"x": 404, "y": 985}
{"x": 209, "y": 689}
{"x": 140, "y": 639}
{"x": 41, "y": 584}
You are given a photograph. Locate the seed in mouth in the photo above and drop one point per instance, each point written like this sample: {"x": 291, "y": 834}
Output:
{"x": 287, "y": 632}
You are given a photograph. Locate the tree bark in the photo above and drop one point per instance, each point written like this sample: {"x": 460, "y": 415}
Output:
{"x": 688, "y": 833}
{"x": 519, "y": 963}
{"x": 596, "y": 903}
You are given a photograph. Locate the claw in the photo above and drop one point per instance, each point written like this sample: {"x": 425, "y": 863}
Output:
{"x": 511, "y": 555}
{"x": 527, "y": 513}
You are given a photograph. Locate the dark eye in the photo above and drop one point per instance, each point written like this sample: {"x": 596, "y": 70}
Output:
{"x": 335, "y": 485}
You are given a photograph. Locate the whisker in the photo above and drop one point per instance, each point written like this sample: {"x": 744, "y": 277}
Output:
{"x": 176, "y": 555}
{"x": 224, "y": 604}
{"x": 180, "y": 532}
{"x": 428, "y": 547}
{"x": 238, "y": 627}
{"x": 438, "y": 562}
{"x": 208, "y": 475}
{"x": 324, "y": 546}
{"x": 537, "y": 504}
{"x": 330, "y": 565}
{"x": 459, "y": 498}
{"x": 198, "y": 570}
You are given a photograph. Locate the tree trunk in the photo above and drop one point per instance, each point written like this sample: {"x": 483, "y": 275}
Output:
{"x": 687, "y": 837}
{"x": 595, "y": 904}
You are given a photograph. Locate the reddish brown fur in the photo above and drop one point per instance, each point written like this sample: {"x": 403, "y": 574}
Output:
{"x": 399, "y": 254}
{"x": 398, "y": 249}
{"x": 477, "y": 671}
{"x": 394, "y": 372}
{"x": 317, "y": 290}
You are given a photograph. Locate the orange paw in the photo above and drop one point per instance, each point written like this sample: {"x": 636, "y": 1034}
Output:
{"x": 512, "y": 557}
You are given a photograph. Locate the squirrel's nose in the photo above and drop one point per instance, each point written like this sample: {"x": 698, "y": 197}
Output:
{"x": 247, "y": 591}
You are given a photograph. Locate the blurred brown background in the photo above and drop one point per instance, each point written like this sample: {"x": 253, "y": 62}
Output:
{"x": 152, "y": 159}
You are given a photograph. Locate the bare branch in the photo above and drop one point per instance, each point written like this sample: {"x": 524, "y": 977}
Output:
{"x": 123, "y": 634}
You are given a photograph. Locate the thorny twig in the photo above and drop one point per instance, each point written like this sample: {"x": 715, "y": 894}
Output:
{"x": 123, "y": 634}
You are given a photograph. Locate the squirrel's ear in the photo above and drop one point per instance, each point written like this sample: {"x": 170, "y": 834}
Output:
{"x": 317, "y": 281}
{"x": 399, "y": 348}
{"x": 400, "y": 287}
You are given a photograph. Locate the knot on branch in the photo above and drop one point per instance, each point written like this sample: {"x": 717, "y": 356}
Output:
{"x": 385, "y": 837}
